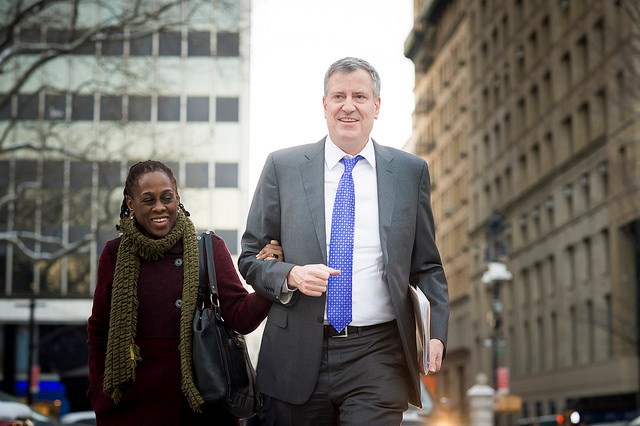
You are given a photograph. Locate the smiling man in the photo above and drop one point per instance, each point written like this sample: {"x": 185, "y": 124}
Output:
{"x": 355, "y": 222}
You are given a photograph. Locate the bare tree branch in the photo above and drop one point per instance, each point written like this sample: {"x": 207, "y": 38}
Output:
{"x": 16, "y": 239}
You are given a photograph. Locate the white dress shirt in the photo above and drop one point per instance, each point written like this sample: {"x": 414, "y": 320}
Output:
{"x": 371, "y": 302}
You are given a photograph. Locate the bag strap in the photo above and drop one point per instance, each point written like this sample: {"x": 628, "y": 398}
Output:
{"x": 207, "y": 280}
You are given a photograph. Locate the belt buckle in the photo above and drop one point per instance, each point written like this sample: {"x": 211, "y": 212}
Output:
{"x": 344, "y": 333}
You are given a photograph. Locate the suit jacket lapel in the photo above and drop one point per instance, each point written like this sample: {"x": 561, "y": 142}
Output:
{"x": 312, "y": 171}
{"x": 387, "y": 177}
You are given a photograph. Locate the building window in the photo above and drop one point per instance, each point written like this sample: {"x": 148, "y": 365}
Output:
{"x": 168, "y": 108}
{"x": 139, "y": 108}
{"x": 535, "y": 102}
{"x": 522, "y": 162}
{"x": 197, "y": 175}
{"x": 573, "y": 323}
{"x": 522, "y": 114}
{"x": 566, "y": 68}
{"x": 170, "y": 43}
{"x": 571, "y": 267}
{"x": 86, "y": 48}
{"x": 588, "y": 259}
{"x": 507, "y": 129}
{"x": 610, "y": 331}
{"x": 586, "y": 190}
{"x": 528, "y": 348}
{"x": 533, "y": 44}
{"x": 550, "y": 205}
{"x": 599, "y": 121}
{"x": 110, "y": 108}
{"x": 30, "y": 35}
{"x": 140, "y": 44}
{"x": 545, "y": 33}
{"x": 567, "y": 133}
{"x": 226, "y": 175}
{"x": 547, "y": 90}
{"x": 524, "y": 230}
{"x": 228, "y": 44}
{"x": 535, "y": 216}
{"x": 113, "y": 46}
{"x": 198, "y": 108}
{"x": 230, "y": 237}
{"x": 55, "y": 107}
{"x": 82, "y": 107}
{"x": 537, "y": 158}
{"x": 57, "y": 36}
{"x": 227, "y": 109}
{"x": 583, "y": 56}
{"x": 109, "y": 174}
{"x": 550, "y": 151}
{"x": 5, "y": 107}
{"x": 568, "y": 195}
{"x": 199, "y": 43}
{"x": 551, "y": 260}
{"x": 606, "y": 259}
{"x": 81, "y": 174}
{"x": 555, "y": 341}
{"x": 28, "y": 106}
{"x": 53, "y": 171}
{"x": 583, "y": 124}
{"x": 599, "y": 40}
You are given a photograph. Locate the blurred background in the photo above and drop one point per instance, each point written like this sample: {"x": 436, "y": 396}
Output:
{"x": 527, "y": 112}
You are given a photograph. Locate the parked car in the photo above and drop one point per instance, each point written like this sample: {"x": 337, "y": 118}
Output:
{"x": 79, "y": 418}
{"x": 12, "y": 409}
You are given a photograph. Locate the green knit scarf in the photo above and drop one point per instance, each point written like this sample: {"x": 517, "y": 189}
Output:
{"x": 122, "y": 352}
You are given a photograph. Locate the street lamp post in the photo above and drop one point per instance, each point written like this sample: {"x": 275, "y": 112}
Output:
{"x": 31, "y": 378}
{"x": 496, "y": 274}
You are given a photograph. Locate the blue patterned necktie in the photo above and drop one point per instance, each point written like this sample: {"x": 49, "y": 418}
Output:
{"x": 341, "y": 249}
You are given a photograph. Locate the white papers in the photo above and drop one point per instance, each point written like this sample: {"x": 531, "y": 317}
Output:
{"x": 422, "y": 310}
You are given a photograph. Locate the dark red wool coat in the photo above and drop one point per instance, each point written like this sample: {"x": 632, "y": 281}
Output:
{"x": 155, "y": 398}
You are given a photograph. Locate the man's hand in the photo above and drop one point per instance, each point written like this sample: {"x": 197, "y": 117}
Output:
{"x": 436, "y": 350}
{"x": 311, "y": 280}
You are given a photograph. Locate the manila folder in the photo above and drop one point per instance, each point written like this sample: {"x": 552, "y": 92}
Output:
{"x": 422, "y": 312}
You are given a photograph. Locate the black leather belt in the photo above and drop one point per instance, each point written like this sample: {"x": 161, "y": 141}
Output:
{"x": 351, "y": 330}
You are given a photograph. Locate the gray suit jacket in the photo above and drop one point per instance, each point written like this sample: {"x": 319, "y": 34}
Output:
{"x": 288, "y": 206}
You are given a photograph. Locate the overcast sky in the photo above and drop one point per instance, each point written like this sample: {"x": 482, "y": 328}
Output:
{"x": 293, "y": 42}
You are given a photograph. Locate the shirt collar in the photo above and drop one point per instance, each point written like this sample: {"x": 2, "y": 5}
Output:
{"x": 333, "y": 154}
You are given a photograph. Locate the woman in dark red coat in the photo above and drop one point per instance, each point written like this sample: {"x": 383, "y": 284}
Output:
{"x": 140, "y": 370}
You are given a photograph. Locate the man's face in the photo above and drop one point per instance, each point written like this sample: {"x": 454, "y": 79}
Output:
{"x": 350, "y": 109}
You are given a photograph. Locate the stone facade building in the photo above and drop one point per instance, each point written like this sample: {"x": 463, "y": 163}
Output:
{"x": 534, "y": 108}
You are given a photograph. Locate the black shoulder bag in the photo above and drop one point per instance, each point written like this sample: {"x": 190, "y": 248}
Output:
{"x": 223, "y": 372}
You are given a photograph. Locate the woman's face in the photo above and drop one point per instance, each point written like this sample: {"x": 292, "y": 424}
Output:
{"x": 154, "y": 204}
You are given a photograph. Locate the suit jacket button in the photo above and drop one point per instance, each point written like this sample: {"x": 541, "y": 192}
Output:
{"x": 320, "y": 319}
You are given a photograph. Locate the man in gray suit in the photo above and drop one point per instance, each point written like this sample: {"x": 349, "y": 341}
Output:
{"x": 317, "y": 372}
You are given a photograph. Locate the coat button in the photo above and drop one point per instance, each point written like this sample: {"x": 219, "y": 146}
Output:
{"x": 178, "y": 262}
{"x": 178, "y": 303}
{"x": 320, "y": 319}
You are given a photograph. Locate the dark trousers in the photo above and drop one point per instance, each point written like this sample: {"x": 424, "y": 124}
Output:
{"x": 363, "y": 380}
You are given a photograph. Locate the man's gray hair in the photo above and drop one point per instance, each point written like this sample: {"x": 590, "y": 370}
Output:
{"x": 350, "y": 64}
